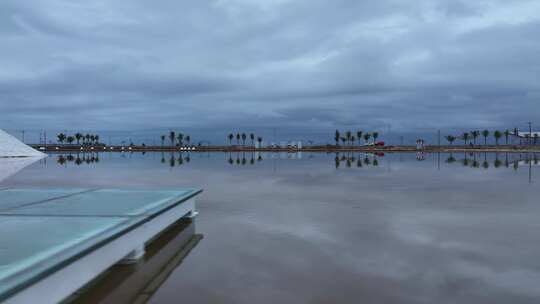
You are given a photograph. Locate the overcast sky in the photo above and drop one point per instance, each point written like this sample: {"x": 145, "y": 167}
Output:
{"x": 311, "y": 64}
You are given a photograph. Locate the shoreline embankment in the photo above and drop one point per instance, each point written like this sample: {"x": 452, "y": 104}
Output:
{"x": 322, "y": 149}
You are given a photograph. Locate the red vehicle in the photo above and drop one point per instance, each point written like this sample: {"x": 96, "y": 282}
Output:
{"x": 379, "y": 143}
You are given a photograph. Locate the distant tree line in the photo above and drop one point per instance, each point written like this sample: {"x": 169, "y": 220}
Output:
{"x": 349, "y": 137}
{"x": 85, "y": 139}
{"x": 472, "y": 136}
{"x": 179, "y": 139}
{"x": 243, "y": 137}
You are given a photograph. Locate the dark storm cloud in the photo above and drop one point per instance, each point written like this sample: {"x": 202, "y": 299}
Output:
{"x": 304, "y": 64}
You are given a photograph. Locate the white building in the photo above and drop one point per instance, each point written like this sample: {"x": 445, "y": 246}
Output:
{"x": 12, "y": 147}
{"x": 529, "y": 134}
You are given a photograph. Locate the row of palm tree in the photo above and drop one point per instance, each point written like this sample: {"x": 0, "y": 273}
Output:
{"x": 243, "y": 137}
{"x": 473, "y": 136}
{"x": 179, "y": 139}
{"x": 350, "y": 138}
{"x": 87, "y": 139}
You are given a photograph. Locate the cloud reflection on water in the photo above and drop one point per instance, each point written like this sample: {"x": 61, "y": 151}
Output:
{"x": 297, "y": 230}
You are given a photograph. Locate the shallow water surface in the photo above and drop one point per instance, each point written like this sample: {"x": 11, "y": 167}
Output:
{"x": 321, "y": 228}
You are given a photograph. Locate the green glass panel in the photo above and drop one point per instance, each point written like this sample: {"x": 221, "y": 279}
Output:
{"x": 105, "y": 203}
{"x": 31, "y": 245}
{"x": 13, "y": 198}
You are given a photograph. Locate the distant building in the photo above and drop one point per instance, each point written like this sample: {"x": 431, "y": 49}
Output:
{"x": 525, "y": 137}
{"x": 528, "y": 134}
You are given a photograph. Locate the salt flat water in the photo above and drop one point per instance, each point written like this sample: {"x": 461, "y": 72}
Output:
{"x": 327, "y": 228}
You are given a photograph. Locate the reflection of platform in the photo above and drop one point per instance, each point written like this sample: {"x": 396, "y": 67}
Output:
{"x": 136, "y": 283}
{"x": 55, "y": 241}
{"x": 12, "y": 165}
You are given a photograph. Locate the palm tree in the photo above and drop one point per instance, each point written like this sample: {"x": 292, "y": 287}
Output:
{"x": 252, "y": 137}
{"x": 359, "y": 136}
{"x": 180, "y": 138}
{"x": 172, "y": 137}
{"x": 465, "y": 137}
{"x": 367, "y": 136}
{"x": 344, "y": 140}
{"x": 97, "y": 138}
{"x": 485, "y": 133}
{"x": 231, "y": 136}
{"x": 244, "y": 139}
{"x": 259, "y": 140}
{"x": 450, "y": 139}
{"x": 337, "y": 137}
{"x": 61, "y": 137}
{"x": 87, "y": 136}
{"x": 535, "y": 136}
{"x": 163, "y": 140}
{"x": 353, "y": 139}
{"x": 375, "y": 135}
{"x": 348, "y": 135}
{"x": 70, "y": 139}
{"x": 475, "y": 135}
{"x": 506, "y": 135}
{"x": 238, "y": 138}
{"x": 188, "y": 139}
{"x": 497, "y": 134}
{"x": 92, "y": 139}
{"x": 78, "y": 136}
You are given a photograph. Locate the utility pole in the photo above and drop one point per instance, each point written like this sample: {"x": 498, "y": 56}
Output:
{"x": 22, "y": 136}
{"x": 530, "y": 132}
{"x": 439, "y": 138}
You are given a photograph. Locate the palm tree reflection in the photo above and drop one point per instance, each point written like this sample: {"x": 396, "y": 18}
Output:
{"x": 341, "y": 159}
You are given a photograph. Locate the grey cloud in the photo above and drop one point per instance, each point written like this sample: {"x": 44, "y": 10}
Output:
{"x": 302, "y": 64}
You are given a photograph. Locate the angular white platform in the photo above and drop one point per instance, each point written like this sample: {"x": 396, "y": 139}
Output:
{"x": 12, "y": 147}
{"x": 54, "y": 241}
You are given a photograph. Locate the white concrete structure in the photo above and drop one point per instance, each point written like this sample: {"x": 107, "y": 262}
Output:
{"x": 101, "y": 227}
{"x": 66, "y": 281}
{"x": 12, "y": 147}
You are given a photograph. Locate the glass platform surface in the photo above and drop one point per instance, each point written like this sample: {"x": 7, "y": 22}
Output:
{"x": 43, "y": 229}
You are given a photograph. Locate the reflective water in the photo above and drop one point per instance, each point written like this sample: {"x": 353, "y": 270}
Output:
{"x": 321, "y": 228}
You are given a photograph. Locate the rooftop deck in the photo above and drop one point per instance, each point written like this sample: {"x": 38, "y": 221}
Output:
{"x": 53, "y": 241}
